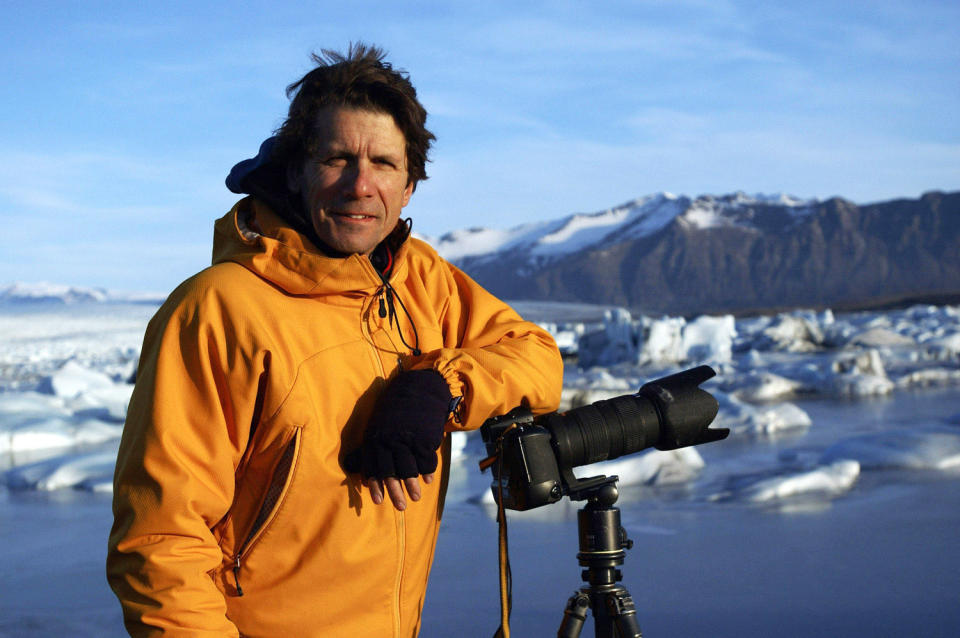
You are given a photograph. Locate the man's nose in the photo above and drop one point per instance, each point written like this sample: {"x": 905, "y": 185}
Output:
{"x": 358, "y": 180}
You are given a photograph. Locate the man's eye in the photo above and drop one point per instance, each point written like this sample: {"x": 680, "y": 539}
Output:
{"x": 335, "y": 161}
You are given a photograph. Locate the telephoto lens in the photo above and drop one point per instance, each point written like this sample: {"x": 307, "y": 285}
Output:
{"x": 668, "y": 413}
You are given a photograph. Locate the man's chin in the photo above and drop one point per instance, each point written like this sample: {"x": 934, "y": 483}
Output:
{"x": 350, "y": 246}
{"x": 348, "y": 239}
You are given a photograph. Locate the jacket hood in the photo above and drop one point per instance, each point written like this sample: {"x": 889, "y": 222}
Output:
{"x": 258, "y": 239}
{"x": 265, "y": 177}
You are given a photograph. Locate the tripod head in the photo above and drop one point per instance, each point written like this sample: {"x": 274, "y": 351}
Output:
{"x": 603, "y": 545}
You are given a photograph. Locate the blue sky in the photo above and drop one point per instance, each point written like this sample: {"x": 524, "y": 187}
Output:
{"x": 120, "y": 120}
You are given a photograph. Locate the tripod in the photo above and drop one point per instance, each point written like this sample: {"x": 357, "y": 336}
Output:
{"x": 602, "y": 549}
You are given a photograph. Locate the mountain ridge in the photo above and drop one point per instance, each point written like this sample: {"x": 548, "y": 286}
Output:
{"x": 731, "y": 253}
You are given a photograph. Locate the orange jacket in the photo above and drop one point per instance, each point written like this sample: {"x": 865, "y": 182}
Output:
{"x": 256, "y": 376}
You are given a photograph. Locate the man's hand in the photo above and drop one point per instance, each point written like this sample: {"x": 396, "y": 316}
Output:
{"x": 395, "y": 489}
{"x": 402, "y": 437}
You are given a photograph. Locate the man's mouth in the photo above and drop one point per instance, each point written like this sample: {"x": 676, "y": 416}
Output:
{"x": 357, "y": 216}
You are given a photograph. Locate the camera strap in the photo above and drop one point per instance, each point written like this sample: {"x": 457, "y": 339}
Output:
{"x": 506, "y": 578}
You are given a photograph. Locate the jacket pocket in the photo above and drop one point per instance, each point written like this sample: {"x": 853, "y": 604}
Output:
{"x": 273, "y": 498}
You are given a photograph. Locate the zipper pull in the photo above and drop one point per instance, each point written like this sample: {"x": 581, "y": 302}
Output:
{"x": 383, "y": 309}
{"x": 236, "y": 576}
{"x": 390, "y": 307}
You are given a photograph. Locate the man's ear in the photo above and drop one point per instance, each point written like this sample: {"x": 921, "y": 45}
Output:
{"x": 407, "y": 192}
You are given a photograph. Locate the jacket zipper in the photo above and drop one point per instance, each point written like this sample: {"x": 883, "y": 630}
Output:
{"x": 400, "y": 527}
{"x": 236, "y": 575}
{"x": 265, "y": 515}
{"x": 402, "y": 533}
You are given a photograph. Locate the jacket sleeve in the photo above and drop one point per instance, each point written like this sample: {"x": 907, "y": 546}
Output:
{"x": 491, "y": 357}
{"x": 187, "y": 426}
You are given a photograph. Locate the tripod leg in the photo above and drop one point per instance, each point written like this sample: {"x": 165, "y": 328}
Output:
{"x": 620, "y": 607}
{"x": 574, "y": 615}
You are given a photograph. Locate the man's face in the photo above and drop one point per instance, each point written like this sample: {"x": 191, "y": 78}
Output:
{"x": 355, "y": 184}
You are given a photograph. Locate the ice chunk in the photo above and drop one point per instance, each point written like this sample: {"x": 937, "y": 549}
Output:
{"x": 763, "y": 386}
{"x": 858, "y": 375}
{"x": 867, "y": 362}
{"x": 655, "y": 467}
{"x": 24, "y": 405}
{"x": 945, "y": 347}
{"x": 709, "y": 339}
{"x": 90, "y": 391}
{"x": 72, "y": 379}
{"x": 768, "y": 420}
{"x": 613, "y": 344}
{"x": 32, "y": 433}
{"x": 858, "y": 385}
{"x": 458, "y": 444}
{"x": 568, "y": 341}
{"x": 663, "y": 342}
{"x": 829, "y": 480}
{"x": 592, "y": 386}
{"x": 928, "y": 377}
{"x": 793, "y": 333}
{"x": 930, "y": 448}
{"x": 92, "y": 471}
{"x": 880, "y": 338}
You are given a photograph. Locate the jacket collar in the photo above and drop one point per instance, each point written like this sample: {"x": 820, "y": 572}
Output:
{"x": 252, "y": 235}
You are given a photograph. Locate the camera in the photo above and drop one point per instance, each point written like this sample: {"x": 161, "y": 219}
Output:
{"x": 532, "y": 457}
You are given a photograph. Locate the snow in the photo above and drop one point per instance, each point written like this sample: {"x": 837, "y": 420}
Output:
{"x": 483, "y": 241}
{"x": 638, "y": 218}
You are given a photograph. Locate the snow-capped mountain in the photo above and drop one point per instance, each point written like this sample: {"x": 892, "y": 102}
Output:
{"x": 633, "y": 220}
{"x": 727, "y": 253}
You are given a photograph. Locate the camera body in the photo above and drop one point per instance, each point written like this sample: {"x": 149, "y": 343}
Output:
{"x": 532, "y": 457}
{"x": 526, "y": 474}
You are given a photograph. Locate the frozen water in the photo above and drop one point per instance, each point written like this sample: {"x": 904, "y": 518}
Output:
{"x": 64, "y": 385}
{"x": 851, "y": 419}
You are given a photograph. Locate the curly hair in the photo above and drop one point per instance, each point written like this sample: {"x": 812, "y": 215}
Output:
{"x": 361, "y": 79}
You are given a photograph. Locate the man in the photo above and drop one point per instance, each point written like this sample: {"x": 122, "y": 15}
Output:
{"x": 276, "y": 475}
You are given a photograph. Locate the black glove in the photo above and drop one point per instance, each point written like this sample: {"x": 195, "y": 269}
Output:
{"x": 406, "y": 428}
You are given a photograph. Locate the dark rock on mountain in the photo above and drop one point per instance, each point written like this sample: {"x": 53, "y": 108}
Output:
{"x": 751, "y": 255}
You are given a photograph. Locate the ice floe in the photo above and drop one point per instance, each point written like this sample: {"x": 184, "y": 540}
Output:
{"x": 64, "y": 393}
{"x": 92, "y": 471}
{"x": 825, "y": 481}
{"x": 925, "y": 448}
